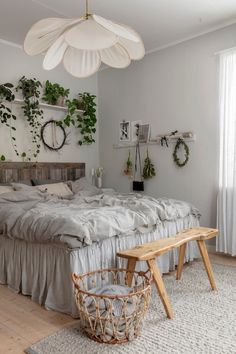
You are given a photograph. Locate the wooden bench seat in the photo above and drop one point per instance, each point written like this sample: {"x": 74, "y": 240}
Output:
{"x": 149, "y": 251}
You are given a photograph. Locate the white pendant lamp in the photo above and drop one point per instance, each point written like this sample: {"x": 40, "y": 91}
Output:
{"x": 83, "y": 43}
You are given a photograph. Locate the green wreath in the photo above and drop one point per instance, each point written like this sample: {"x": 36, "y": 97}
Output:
{"x": 175, "y": 153}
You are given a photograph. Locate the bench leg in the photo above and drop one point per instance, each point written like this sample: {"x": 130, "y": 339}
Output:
{"x": 207, "y": 263}
{"x": 181, "y": 261}
{"x": 160, "y": 287}
{"x": 131, "y": 268}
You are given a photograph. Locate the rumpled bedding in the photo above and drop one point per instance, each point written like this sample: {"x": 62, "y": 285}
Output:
{"x": 38, "y": 217}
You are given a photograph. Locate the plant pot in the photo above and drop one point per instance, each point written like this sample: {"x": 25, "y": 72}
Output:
{"x": 61, "y": 101}
{"x": 99, "y": 182}
{"x": 28, "y": 93}
{"x": 81, "y": 105}
{"x": 31, "y": 99}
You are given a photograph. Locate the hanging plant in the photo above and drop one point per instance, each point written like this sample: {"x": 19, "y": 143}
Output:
{"x": 55, "y": 94}
{"x": 6, "y": 93}
{"x": 148, "y": 169}
{"x": 165, "y": 139}
{"x": 86, "y": 121}
{"x": 72, "y": 115}
{"x": 129, "y": 166}
{"x": 31, "y": 92}
{"x": 6, "y": 115}
{"x": 30, "y": 88}
{"x": 181, "y": 142}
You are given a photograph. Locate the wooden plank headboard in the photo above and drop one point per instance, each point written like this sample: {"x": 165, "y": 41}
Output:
{"x": 61, "y": 171}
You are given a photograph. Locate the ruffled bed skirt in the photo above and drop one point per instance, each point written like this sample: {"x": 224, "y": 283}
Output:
{"x": 43, "y": 271}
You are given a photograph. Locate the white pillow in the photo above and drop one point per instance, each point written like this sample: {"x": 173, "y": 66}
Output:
{"x": 6, "y": 189}
{"x": 83, "y": 185}
{"x": 58, "y": 189}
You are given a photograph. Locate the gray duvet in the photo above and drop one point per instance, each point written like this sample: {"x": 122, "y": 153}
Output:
{"x": 36, "y": 217}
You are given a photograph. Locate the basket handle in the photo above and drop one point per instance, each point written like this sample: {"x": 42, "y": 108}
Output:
{"x": 74, "y": 278}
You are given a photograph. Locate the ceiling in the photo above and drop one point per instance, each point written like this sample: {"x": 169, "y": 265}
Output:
{"x": 159, "y": 22}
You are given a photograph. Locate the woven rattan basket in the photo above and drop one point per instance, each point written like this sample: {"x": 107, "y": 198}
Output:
{"x": 112, "y": 318}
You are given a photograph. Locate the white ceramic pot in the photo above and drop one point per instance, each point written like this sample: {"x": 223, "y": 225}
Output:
{"x": 61, "y": 101}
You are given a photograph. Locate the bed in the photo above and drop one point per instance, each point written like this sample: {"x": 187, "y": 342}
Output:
{"x": 37, "y": 265}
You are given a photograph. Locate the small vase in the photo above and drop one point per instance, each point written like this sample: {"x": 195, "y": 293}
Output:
{"x": 99, "y": 182}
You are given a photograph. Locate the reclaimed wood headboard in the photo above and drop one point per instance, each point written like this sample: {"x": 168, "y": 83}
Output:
{"x": 60, "y": 171}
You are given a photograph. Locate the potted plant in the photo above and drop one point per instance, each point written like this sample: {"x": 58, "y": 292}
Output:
{"x": 128, "y": 171}
{"x": 31, "y": 107}
{"x": 55, "y": 94}
{"x": 6, "y": 115}
{"x": 6, "y": 92}
{"x": 80, "y": 104}
{"x": 30, "y": 88}
{"x": 87, "y": 120}
{"x": 148, "y": 169}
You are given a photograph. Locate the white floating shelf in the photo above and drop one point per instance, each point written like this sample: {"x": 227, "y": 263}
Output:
{"x": 49, "y": 106}
{"x": 157, "y": 141}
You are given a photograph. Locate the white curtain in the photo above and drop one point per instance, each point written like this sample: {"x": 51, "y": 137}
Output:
{"x": 226, "y": 242}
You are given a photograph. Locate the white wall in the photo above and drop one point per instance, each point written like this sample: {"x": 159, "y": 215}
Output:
{"x": 175, "y": 88}
{"x": 14, "y": 63}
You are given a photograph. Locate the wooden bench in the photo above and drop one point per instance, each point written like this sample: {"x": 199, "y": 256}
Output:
{"x": 149, "y": 251}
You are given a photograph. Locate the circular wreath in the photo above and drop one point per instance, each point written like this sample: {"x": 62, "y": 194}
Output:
{"x": 175, "y": 153}
{"x": 56, "y": 125}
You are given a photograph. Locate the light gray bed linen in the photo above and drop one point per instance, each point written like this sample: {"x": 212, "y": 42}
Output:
{"x": 37, "y": 217}
{"x": 43, "y": 270}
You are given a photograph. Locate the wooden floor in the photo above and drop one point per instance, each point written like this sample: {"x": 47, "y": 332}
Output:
{"x": 23, "y": 322}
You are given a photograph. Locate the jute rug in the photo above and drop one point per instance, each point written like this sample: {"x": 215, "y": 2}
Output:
{"x": 204, "y": 321}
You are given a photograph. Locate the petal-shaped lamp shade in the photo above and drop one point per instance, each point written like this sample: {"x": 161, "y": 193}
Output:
{"x": 55, "y": 53}
{"x": 116, "y": 57}
{"x": 136, "y": 50}
{"x": 44, "y": 33}
{"x": 82, "y": 43}
{"x": 81, "y": 63}
{"x": 119, "y": 30}
{"x": 89, "y": 35}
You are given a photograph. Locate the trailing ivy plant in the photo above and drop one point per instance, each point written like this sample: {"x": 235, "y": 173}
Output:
{"x": 31, "y": 92}
{"x": 52, "y": 92}
{"x": 6, "y": 93}
{"x": 6, "y": 115}
{"x": 72, "y": 115}
{"x": 29, "y": 87}
{"x": 86, "y": 121}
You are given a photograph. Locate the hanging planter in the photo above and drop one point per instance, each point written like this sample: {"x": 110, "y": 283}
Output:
{"x": 6, "y": 115}
{"x": 128, "y": 171}
{"x": 30, "y": 89}
{"x": 148, "y": 169}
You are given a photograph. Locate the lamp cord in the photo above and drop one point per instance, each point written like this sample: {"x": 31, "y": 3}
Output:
{"x": 87, "y": 10}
